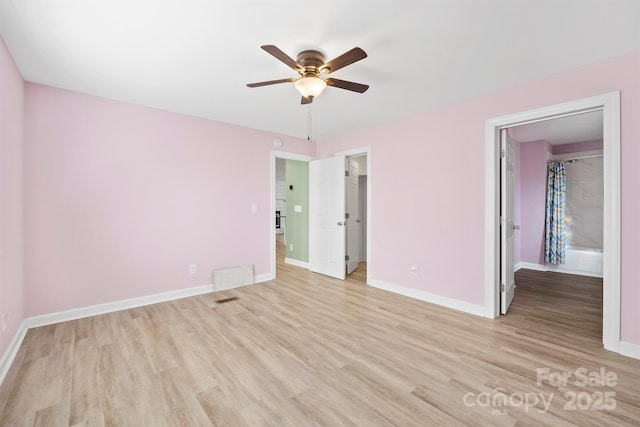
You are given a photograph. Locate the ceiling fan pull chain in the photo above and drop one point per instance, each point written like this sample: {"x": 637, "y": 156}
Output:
{"x": 309, "y": 123}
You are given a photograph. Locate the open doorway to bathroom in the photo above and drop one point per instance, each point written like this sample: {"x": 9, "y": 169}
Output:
{"x": 609, "y": 104}
{"x": 576, "y": 143}
{"x": 559, "y": 176}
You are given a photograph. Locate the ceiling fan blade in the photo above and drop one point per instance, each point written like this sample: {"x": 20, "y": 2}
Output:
{"x": 271, "y": 82}
{"x": 306, "y": 100}
{"x": 343, "y": 84}
{"x": 278, "y": 54}
{"x": 347, "y": 58}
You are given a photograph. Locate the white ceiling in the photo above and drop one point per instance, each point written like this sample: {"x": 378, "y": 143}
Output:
{"x": 564, "y": 130}
{"x": 195, "y": 57}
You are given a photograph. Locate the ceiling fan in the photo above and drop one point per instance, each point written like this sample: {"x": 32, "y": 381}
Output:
{"x": 310, "y": 64}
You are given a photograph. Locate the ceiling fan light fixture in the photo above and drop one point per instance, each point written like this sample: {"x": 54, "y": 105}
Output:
{"x": 310, "y": 87}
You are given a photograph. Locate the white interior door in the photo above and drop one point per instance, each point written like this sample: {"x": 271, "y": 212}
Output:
{"x": 352, "y": 216}
{"x": 507, "y": 278}
{"x": 326, "y": 217}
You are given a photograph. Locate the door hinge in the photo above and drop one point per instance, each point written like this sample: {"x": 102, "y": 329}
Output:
{"x": 503, "y": 288}
{"x": 346, "y": 215}
{"x": 346, "y": 257}
{"x": 346, "y": 173}
{"x": 503, "y": 153}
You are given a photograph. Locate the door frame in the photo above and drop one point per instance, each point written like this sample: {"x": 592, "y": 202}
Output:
{"x": 609, "y": 103}
{"x": 356, "y": 152}
{"x": 272, "y": 216}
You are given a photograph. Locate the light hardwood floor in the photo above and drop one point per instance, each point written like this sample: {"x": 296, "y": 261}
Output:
{"x": 308, "y": 350}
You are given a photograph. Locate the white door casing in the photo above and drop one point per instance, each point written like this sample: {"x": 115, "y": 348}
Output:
{"x": 326, "y": 217}
{"x": 352, "y": 218}
{"x": 507, "y": 278}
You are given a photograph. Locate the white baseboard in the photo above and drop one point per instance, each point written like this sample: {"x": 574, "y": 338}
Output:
{"x": 263, "y": 278}
{"x": 539, "y": 267}
{"x": 576, "y": 272}
{"x": 12, "y": 350}
{"x": 454, "y": 304}
{"x": 297, "y": 263}
{"x": 630, "y": 350}
{"x": 530, "y": 266}
{"x": 93, "y": 310}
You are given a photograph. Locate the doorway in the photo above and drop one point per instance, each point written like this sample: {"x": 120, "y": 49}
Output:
{"x": 609, "y": 104}
{"x": 278, "y": 216}
{"x": 327, "y": 229}
{"x": 363, "y": 156}
{"x": 366, "y": 172}
{"x": 356, "y": 217}
{"x": 571, "y": 147}
{"x": 576, "y": 143}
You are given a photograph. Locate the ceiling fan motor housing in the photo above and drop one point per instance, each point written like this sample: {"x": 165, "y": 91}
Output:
{"x": 311, "y": 61}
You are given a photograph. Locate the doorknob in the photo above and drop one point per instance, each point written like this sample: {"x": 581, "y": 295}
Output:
{"x": 339, "y": 222}
{"x": 516, "y": 227}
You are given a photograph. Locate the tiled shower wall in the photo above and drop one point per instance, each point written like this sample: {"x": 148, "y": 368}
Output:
{"x": 584, "y": 203}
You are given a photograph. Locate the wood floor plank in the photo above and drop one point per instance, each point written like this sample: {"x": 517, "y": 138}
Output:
{"x": 87, "y": 387}
{"x": 55, "y": 415}
{"x": 306, "y": 350}
{"x": 20, "y": 408}
{"x": 220, "y": 409}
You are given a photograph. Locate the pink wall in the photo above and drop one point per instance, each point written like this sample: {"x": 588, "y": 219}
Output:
{"x": 419, "y": 220}
{"x": 533, "y": 184}
{"x": 577, "y": 147}
{"x": 11, "y": 220}
{"x": 120, "y": 199}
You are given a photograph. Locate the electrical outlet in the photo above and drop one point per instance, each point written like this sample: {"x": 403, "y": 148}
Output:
{"x": 5, "y": 321}
{"x": 193, "y": 269}
{"x": 290, "y": 247}
{"x": 413, "y": 270}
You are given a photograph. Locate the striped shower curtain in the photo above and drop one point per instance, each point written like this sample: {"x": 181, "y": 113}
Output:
{"x": 554, "y": 247}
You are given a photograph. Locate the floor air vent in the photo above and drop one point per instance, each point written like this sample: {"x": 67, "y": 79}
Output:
{"x": 222, "y": 301}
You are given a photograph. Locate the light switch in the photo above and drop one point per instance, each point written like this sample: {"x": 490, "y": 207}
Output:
{"x": 297, "y": 208}
{"x": 254, "y": 208}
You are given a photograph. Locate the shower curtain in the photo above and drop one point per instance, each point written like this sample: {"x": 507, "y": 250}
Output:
{"x": 554, "y": 246}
